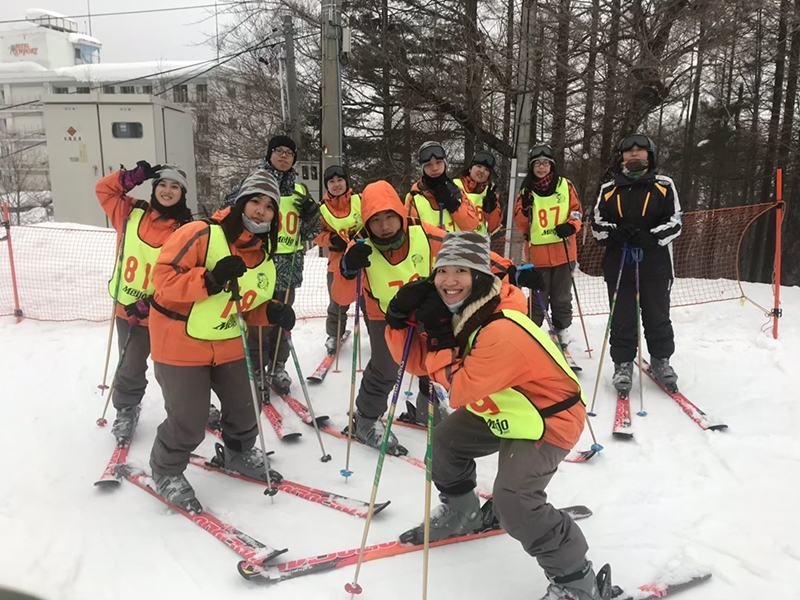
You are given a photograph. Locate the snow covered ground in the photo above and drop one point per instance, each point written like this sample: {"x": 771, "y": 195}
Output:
{"x": 674, "y": 499}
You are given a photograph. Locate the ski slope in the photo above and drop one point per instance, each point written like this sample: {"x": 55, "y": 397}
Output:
{"x": 674, "y": 500}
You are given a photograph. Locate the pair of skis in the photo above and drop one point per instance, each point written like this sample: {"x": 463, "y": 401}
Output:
{"x": 623, "y": 428}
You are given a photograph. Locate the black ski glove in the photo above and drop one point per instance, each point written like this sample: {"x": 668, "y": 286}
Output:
{"x": 565, "y": 230}
{"x": 643, "y": 239}
{"x": 308, "y": 209}
{"x": 281, "y": 314}
{"x": 227, "y": 269}
{"x": 527, "y": 203}
{"x": 354, "y": 259}
{"x": 448, "y": 195}
{"x": 622, "y": 234}
{"x": 406, "y": 301}
{"x": 490, "y": 200}
{"x": 337, "y": 243}
{"x": 139, "y": 310}
{"x": 437, "y": 320}
{"x": 526, "y": 276}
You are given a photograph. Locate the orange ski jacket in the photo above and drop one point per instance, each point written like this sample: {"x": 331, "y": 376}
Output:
{"x": 466, "y": 217}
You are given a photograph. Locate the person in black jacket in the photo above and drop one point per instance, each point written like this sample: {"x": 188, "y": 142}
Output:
{"x": 639, "y": 209}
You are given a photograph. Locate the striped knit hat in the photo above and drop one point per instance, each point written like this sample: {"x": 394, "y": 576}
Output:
{"x": 173, "y": 172}
{"x": 259, "y": 182}
{"x": 465, "y": 249}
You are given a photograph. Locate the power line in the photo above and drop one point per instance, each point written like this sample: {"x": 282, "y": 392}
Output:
{"x": 138, "y": 12}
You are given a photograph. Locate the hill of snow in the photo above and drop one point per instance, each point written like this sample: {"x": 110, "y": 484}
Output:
{"x": 675, "y": 499}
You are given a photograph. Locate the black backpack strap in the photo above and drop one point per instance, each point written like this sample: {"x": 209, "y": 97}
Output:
{"x": 171, "y": 314}
{"x": 560, "y": 406}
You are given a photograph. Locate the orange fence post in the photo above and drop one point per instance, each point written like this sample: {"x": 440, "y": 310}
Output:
{"x": 776, "y": 312}
{"x": 7, "y": 225}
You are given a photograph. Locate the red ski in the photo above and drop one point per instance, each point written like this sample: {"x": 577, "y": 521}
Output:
{"x": 691, "y": 409}
{"x": 244, "y": 545}
{"x": 276, "y": 420}
{"x": 622, "y": 419}
{"x": 318, "y": 376}
{"x": 299, "y": 408}
{"x": 344, "y": 504}
{"x": 110, "y": 478}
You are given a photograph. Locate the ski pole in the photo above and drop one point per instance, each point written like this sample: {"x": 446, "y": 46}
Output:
{"x": 285, "y": 301}
{"x": 591, "y": 412}
{"x": 101, "y": 422}
{"x": 346, "y": 472}
{"x": 577, "y": 299}
{"x": 353, "y": 588}
{"x": 553, "y": 334}
{"x": 262, "y": 376}
{"x": 338, "y": 339}
{"x": 120, "y": 254}
{"x": 636, "y": 255}
{"x": 325, "y": 456}
{"x": 428, "y": 470}
{"x": 237, "y": 297}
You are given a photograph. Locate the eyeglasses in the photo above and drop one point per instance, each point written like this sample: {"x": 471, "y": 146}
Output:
{"x": 541, "y": 162}
{"x": 283, "y": 152}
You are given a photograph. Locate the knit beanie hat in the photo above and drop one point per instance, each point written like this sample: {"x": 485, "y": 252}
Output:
{"x": 485, "y": 159}
{"x": 173, "y": 172}
{"x": 281, "y": 140}
{"x": 465, "y": 249}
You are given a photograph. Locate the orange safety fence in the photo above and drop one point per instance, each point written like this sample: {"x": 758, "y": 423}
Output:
{"x": 62, "y": 271}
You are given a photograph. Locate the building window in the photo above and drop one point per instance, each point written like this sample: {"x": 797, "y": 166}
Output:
{"x": 78, "y": 56}
{"x": 180, "y": 93}
{"x": 60, "y": 90}
{"x": 127, "y": 89}
{"x": 202, "y": 124}
{"x": 108, "y": 89}
{"x": 83, "y": 90}
{"x": 147, "y": 89}
{"x": 304, "y": 171}
{"x": 201, "y": 90}
{"x": 126, "y": 130}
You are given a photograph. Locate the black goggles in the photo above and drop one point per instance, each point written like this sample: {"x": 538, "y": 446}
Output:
{"x": 334, "y": 171}
{"x": 430, "y": 152}
{"x": 485, "y": 159}
{"x": 642, "y": 141}
{"x": 542, "y": 151}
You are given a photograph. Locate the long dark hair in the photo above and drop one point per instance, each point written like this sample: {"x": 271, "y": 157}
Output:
{"x": 232, "y": 226}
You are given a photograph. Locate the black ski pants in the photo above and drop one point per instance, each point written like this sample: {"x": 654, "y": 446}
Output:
{"x": 130, "y": 381}
{"x": 654, "y": 301}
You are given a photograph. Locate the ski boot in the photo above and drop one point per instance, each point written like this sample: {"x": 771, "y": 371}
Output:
{"x": 456, "y": 515}
{"x": 250, "y": 463}
{"x": 214, "y": 421}
{"x": 176, "y": 490}
{"x": 564, "y": 337}
{"x": 664, "y": 373}
{"x": 370, "y": 432}
{"x": 280, "y": 379}
{"x": 263, "y": 390}
{"x": 418, "y": 415}
{"x": 581, "y": 584}
{"x": 330, "y": 345}
{"x": 623, "y": 378}
{"x": 124, "y": 424}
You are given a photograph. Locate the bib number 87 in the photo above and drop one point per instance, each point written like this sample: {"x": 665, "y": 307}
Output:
{"x": 542, "y": 214}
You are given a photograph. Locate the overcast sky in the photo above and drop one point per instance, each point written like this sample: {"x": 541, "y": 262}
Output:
{"x": 179, "y": 35}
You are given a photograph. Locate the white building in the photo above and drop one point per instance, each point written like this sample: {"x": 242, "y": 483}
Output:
{"x": 48, "y": 55}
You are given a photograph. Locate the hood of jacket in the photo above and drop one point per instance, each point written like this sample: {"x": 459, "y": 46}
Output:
{"x": 380, "y": 196}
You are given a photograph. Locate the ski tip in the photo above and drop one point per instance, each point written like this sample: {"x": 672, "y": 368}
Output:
{"x": 311, "y": 379}
{"x": 322, "y": 419}
{"x": 623, "y": 435}
{"x": 380, "y": 506}
{"x": 718, "y": 427}
{"x": 291, "y": 436}
{"x": 107, "y": 484}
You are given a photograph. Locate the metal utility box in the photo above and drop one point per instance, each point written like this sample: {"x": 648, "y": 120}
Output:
{"x": 92, "y": 135}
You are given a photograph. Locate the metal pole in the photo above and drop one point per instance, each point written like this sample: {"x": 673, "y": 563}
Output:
{"x": 776, "y": 312}
{"x": 291, "y": 81}
{"x": 331, "y": 129}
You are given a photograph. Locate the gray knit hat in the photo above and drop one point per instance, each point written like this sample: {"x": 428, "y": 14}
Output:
{"x": 173, "y": 172}
{"x": 465, "y": 249}
{"x": 259, "y": 182}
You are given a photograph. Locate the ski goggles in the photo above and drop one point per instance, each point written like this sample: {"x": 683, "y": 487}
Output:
{"x": 425, "y": 154}
{"x": 642, "y": 141}
{"x": 485, "y": 159}
{"x": 541, "y": 151}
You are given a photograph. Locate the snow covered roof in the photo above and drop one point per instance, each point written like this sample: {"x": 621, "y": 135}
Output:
{"x": 128, "y": 71}
{"x": 82, "y": 38}
{"x": 37, "y": 13}
{"x": 52, "y": 20}
{"x": 23, "y": 66}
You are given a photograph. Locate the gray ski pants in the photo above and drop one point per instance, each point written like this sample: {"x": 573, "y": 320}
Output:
{"x": 187, "y": 394}
{"x": 519, "y": 498}
{"x": 335, "y": 313}
{"x": 380, "y": 375}
{"x": 130, "y": 381}
{"x": 558, "y": 294}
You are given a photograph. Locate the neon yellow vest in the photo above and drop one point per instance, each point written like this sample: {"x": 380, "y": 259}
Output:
{"x": 289, "y": 227}
{"x": 549, "y": 211}
{"x": 138, "y": 261}
{"x": 477, "y": 200}
{"x": 386, "y": 279}
{"x": 427, "y": 214}
{"x": 345, "y": 226}
{"x": 215, "y": 317}
{"x": 511, "y": 414}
